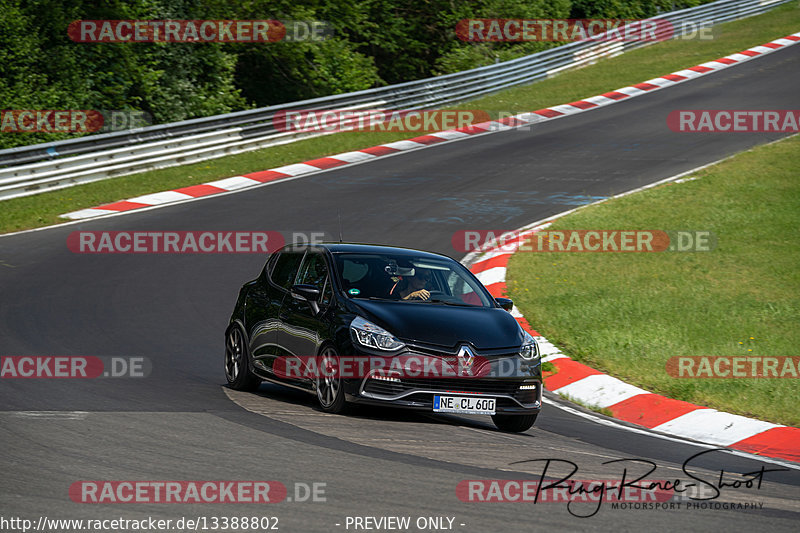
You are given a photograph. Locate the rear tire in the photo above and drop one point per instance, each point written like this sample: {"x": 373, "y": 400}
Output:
{"x": 514, "y": 423}
{"x": 237, "y": 361}
{"x": 329, "y": 385}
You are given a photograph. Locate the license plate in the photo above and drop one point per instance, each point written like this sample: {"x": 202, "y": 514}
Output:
{"x": 469, "y": 405}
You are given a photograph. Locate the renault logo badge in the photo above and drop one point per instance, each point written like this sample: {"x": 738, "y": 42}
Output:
{"x": 465, "y": 358}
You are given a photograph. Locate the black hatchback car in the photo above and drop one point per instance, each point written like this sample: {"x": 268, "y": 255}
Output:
{"x": 356, "y": 323}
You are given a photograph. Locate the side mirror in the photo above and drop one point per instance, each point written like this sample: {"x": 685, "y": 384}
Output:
{"x": 309, "y": 293}
{"x": 505, "y": 303}
{"x": 306, "y": 292}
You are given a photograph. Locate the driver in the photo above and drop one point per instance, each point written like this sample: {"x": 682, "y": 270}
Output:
{"x": 413, "y": 287}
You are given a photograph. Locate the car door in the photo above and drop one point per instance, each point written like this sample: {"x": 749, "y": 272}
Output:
{"x": 262, "y": 315}
{"x": 303, "y": 325}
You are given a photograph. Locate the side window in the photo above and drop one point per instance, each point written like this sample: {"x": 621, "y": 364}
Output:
{"x": 456, "y": 284}
{"x": 315, "y": 272}
{"x": 285, "y": 269}
{"x": 435, "y": 284}
{"x": 459, "y": 288}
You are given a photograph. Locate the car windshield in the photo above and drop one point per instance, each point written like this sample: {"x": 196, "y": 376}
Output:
{"x": 409, "y": 279}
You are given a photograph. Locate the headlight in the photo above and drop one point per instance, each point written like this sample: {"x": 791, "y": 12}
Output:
{"x": 368, "y": 334}
{"x": 530, "y": 349}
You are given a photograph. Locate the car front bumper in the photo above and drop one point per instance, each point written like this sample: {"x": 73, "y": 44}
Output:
{"x": 514, "y": 383}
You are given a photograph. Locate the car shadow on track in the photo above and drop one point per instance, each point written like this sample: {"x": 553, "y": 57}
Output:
{"x": 289, "y": 399}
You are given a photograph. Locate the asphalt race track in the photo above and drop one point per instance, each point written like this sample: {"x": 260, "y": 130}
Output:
{"x": 182, "y": 423}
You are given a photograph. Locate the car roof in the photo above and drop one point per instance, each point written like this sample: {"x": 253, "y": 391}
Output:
{"x": 355, "y": 248}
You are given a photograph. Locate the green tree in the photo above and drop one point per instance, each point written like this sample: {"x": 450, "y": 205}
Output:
{"x": 44, "y": 69}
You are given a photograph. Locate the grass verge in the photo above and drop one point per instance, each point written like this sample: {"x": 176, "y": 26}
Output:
{"x": 627, "y": 314}
{"x": 609, "y": 74}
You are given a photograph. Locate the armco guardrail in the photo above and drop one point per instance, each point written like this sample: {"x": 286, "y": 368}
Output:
{"x": 43, "y": 167}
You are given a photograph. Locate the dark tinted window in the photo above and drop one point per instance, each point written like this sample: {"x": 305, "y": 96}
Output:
{"x": 314, "y": 270}
{"x": 285, "y": 269}
{"x": 398, "y": 277}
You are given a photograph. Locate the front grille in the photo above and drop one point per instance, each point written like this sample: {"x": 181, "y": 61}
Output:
{"x": 454, "y": 386}
{"x": 441, "y": 351}
{"x": 463, "y": 385}
{"x": 483, "y": 358}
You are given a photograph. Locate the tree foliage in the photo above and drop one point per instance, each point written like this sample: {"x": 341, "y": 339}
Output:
{"x": 374, "y": 42}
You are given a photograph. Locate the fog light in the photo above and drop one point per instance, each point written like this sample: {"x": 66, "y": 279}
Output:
{"x": 381, "y": 377}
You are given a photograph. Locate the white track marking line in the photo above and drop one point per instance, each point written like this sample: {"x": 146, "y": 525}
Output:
{"x": 600, "y": 390}
{"x": 163, "y": 197}
{"x": 353, "y": 157}
{"x": 403, "y": 145}
{"x": 234, "y": 183}
{"x": 297, "y": 169}
{"x": 715, "y": 427}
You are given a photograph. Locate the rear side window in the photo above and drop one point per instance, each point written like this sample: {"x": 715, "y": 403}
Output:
{"x": 285, "y": 269}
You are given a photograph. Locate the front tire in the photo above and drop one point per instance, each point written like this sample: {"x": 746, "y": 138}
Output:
{"x": 514, "y": 423}
{"x": 237, "y": 364}
{"x": 330, "y": 389}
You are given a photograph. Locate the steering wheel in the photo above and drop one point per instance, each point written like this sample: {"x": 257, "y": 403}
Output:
{"x": 440, "y": 295}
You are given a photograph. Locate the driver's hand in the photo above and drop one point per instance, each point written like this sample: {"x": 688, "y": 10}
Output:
{"x": 421, "y": 294}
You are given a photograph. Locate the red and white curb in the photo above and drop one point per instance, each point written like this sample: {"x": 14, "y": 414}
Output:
{"x": 577, "y": 381}
{"x": 368, "y": 154}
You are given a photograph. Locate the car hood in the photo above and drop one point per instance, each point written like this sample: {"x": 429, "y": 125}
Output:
{"x": 444, "y": 325}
